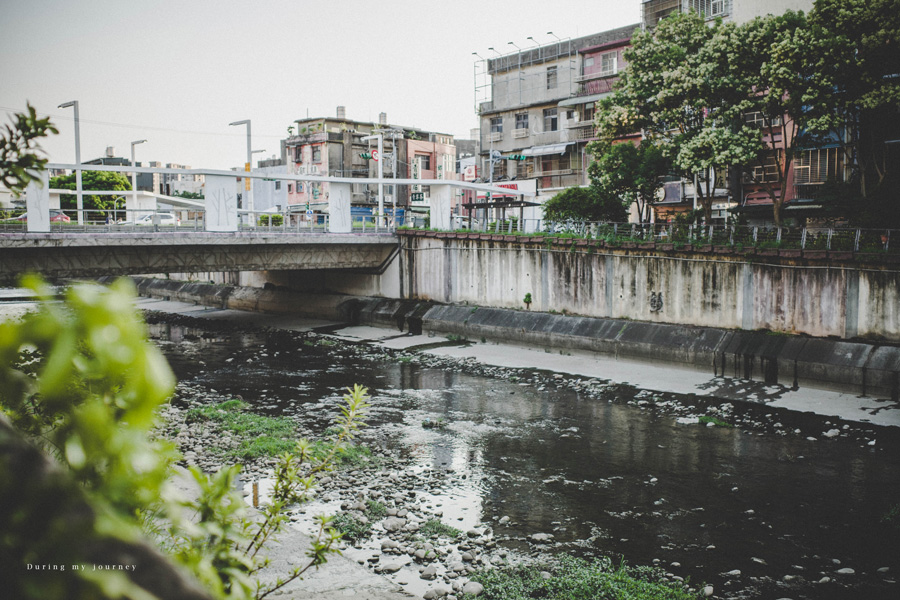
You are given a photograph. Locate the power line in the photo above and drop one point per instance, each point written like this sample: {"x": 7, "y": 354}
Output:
{"x": 67, "y": 117}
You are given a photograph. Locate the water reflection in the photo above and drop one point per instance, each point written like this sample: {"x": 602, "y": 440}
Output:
{"x": 601, "y": 475}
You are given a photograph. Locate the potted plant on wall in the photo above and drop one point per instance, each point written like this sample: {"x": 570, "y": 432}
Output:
{"x": 527, "y": 301}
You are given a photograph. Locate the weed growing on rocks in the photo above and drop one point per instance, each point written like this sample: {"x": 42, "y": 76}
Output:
{"x": 434, "y": 528}
{"x": 577, "y": 579}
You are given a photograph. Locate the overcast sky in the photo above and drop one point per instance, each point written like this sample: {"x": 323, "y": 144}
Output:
{"x": 177, "y": 72}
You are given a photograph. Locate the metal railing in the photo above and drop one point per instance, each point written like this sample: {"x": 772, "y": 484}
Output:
{"x": 189, "y": 221}
{"x": 697, "y": 236}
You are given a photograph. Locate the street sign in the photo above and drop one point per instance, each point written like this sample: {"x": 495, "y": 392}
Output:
{"x": 375, "y": 155}
{"x": 417, "y": 196}
{"x": 309, "y": 213}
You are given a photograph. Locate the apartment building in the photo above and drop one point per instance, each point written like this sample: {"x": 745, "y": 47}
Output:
{"x": 335, "y": 146}
{"x": 739, "y": 11}
{"x": 538, "y": 117}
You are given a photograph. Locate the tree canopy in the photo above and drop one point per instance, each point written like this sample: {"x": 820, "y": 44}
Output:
{"x": 628, "y": 172}
{"x": 584, "y": 204}
{"x": 91, "y": 180}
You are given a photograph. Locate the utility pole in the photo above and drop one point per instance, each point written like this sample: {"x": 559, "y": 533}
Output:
{"x": 79, "y": 194}
{"x": 133, "y": 179}
{"x": 248, "y": 186}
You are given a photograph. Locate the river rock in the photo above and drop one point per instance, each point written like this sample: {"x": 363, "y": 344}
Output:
{"x": 389, "y": 545}
{"x": 393, "y": 524}
{"x": 707, "y": 591}
{"x": 429, "y": 573}
{"x": 541, "y": 538}
{"x": 391, "y": 568}
{"x": 734, "y": 573}
{"x": 504, "y": 520}
{"x": 845, "y": 571}
{"x": 474, "y": 588}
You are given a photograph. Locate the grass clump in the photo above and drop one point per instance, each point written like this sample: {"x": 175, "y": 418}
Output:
{"x": 260, "y": 435}
{"x": 351, "y": 527}
{"x": 434, "y": 528}
{"x": 578, "y": 579}
{"x": 717, "y": 422}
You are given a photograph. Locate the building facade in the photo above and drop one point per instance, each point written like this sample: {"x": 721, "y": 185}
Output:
{"x": 335, "y": 147}
{"x": 539, "y": 116}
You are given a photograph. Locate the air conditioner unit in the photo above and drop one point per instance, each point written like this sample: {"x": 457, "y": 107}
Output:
{"x": 313, "y": 169}
{"x": 301, "y": 169}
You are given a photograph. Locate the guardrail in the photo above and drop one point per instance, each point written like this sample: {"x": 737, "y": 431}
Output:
{"x": 173, "y": 221}
{"x": 675, "y": 236}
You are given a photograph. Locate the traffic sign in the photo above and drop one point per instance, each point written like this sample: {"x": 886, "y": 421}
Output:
{"x": 375, "y": 155}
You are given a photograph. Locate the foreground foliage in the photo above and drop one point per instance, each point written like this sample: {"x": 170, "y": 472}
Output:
{"x": 80, "y": 381}
{"x": 578, "y": 579}
{"x": 21, "y": 157}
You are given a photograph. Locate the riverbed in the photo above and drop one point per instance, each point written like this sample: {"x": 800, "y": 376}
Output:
{"x": 545, "y": 454}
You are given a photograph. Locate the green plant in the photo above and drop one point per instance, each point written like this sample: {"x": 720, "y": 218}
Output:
{"x": 715, "y": 421}
{"x": 351, "y": 527}
{"x": 577, "y": 579}
{"x": 273, "y": 219}
{"x": 433, "y": 528}
{"x": 20, "y": 153}
{"x": 82, "y": 382}
{"x": 527, "y": 299}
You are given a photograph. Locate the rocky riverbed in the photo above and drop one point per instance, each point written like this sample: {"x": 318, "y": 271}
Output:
{"x": 417, "y": 478}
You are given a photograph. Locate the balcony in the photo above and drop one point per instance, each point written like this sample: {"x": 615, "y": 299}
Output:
{"x": 496, "y": 136}
{"x": 593, "y": 87}
{"x": 597, "y": 75}
{"x": 520, "y": 133}
{"x": 573, "y": 124}
{"x": 586, "y": 132}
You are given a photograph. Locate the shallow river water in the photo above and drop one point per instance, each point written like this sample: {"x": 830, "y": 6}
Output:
{"x": 602, "y": 473}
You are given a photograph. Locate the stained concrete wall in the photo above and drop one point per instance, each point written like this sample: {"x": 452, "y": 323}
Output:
{"x": 797, "y": 296}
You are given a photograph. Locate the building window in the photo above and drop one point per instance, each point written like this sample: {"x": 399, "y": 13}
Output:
{"x": 497, "y": 125}
{"x": 521, "y": 120}
{"x": 298, "y": 154}
{"x": 589, "y": 111}
{"x": 609, "y": 63}
{"x": 424, "y": 161}
{"x": 317, "y": 154}
{"x": 818, "y": 166}
{"x": 758, "y": 119}
{"x": 708, "y": 8}
{"x": 277, "y": 185}
{"x": 290, "y": 188}
{"x": 766, "y": 172}
{"x": 570, "y": 113}
{"x": 551, "y": 78}
{"x": 550, "y": 119}
{"x": 589, "y": 61}
{"x": 524, "y": 169}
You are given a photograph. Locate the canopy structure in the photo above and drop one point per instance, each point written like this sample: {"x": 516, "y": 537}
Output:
{"x": 546, "y": 149}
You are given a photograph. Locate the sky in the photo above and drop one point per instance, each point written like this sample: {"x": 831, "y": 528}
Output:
{"x": 178, "y": 72}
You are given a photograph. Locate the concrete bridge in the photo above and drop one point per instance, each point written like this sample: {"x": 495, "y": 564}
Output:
{"x": 62, "y": 255}
{"x": 224, "y": 237}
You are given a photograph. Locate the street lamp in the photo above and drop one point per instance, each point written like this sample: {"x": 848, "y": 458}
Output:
{"x": 79, "y": 202}
{"x": 558, "y": 41}
{"x": 247, "y": 185}
{"x": 492, "y": 48}
{"x": 134, "y": 203}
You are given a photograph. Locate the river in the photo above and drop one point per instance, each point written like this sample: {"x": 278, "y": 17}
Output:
{"x": 793, "y": 501}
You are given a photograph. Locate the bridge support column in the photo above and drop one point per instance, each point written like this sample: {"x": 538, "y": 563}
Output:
{"x": 339, "y": 220}
{"x": 221, "y": 203}
{"x": 37, "y": 203}
{"x": 440, "y": 207}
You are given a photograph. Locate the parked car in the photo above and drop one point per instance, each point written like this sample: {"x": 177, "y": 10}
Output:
{"x": 165, "y": 219}
{"x": 56, "y": 216}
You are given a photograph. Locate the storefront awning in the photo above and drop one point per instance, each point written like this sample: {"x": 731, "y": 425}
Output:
{"x": 584, "y": 99}
{"x": 547, "y": 149}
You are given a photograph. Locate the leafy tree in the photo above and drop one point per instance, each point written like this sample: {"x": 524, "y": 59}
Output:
{"x": 190, "y": 195}
{"x": 92, "y": 180}
{"x": 674, "y": 92}
{"x": 81, "y": 382}
{"x": 20, "y": 153}
{"x": 584, "y": 204}
{"x": 631, "y": 173}
{"x": 859, "y": 53}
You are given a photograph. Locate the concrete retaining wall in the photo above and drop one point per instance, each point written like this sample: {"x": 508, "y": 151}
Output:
{"x": 817, "y": 297}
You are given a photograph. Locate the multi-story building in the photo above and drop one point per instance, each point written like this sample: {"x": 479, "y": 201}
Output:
{"x": 335, "y": 146}
{"x": 539, "y": 116}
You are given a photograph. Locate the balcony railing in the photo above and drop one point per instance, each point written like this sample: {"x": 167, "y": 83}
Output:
{"x": 520, "y": 133}
{"x": 496, "y": 136}
{"x": 583, "y": 133}
{"x": 597, "y": 75}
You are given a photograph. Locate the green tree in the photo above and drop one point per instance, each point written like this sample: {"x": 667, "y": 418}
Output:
{"x": 584, "y": 204}
{"x": 628, "y": 172}
{"x": 859, "y": 54}
{"x": 20, "y": 152}
{"x": 92, "y": 180}
{"x": 674, "y": 92}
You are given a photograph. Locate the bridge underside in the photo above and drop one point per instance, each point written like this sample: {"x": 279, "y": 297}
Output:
{"x": 97, "y": 257}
